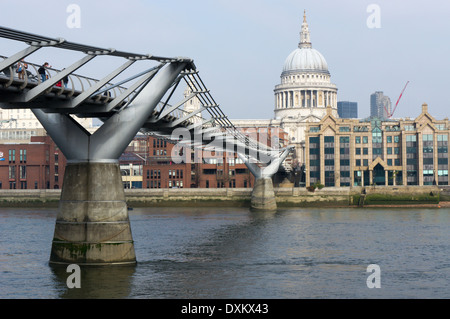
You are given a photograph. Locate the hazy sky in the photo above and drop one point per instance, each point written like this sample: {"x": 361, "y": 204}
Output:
{"x": 240, "y": 46}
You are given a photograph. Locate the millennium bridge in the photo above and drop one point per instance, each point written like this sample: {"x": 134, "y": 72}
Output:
{"x": 92, "y": 224}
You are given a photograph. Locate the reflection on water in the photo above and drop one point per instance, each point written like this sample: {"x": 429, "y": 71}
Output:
{"x": 96, "y": 282}
{"x": 239, "y": 253}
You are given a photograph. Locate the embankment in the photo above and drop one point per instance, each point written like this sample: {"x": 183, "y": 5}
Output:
{"x": 390, "y": 196}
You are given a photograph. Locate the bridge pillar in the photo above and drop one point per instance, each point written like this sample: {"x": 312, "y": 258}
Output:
{"x": 263, "y": 195}
{"x": 92, "y": 224}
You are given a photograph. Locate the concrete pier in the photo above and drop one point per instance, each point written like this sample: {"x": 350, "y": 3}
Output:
{"x": 92, "y": 224}
{"x": 263, "y": 195}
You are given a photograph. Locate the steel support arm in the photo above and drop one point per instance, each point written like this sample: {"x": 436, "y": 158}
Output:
{"x": 111, "y": 139}
{"x": 71, "y": 137}
{"x": 17, "y": 57}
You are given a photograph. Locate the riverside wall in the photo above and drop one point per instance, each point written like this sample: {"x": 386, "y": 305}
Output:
{"x": 240, "y": 197}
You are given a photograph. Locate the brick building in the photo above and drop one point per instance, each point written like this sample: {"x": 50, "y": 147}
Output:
{"x": 148, "y": 162}
{"x": 38, "y": 164}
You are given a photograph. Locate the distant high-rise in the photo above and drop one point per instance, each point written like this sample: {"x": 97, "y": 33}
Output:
{"x": 380, "y": 105}
{"x": 347, "y": 109}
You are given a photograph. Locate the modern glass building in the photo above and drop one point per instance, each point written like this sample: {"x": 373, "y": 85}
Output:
{"x": 347, "y": 110}
{"x": 352, "y": 152}
{"x": 380, "y": 105}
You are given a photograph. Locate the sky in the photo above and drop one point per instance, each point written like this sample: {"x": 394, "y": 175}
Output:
{"x": 240, "y": 46}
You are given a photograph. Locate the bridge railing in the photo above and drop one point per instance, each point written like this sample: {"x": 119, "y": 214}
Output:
{"x": 76, "y": 83}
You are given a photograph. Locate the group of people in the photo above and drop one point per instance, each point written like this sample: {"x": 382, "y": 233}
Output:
{"x": 22, "y": 67}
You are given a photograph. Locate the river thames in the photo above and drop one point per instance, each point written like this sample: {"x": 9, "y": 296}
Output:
{"x": 221, "y": 253}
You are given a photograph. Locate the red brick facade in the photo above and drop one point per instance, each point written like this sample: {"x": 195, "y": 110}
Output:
{"x": 40, "y": 164}
{"x": 35, "y": 165}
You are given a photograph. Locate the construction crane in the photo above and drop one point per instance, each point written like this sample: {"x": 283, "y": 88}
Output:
{"x": 389, "y": 115}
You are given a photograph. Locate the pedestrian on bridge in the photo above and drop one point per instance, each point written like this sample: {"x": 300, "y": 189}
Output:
{"x": 21, "y": 69}
{"x": 42, "y": 70}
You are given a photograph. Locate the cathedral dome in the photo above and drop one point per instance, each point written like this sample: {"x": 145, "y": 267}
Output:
{"x": 305, "y": 59}
{"x": 305, "y": 89}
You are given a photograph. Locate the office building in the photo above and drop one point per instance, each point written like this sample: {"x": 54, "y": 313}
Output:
{"x": 347, "y": 109}
{"x": 352, "y": 152}
{"x": 380, "y": 105}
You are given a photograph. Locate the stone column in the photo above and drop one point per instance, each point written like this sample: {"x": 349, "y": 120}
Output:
{"x": 92, "y": 224}
{"x": 263, "y": 195}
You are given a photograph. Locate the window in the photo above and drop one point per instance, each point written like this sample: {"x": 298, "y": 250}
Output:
{"x": 12, "y": 156}
{"x": 345, "y": 162}
{"x": 376, "y": 135}
{"x": 358, "y": 151}
{"x": 388, "y": 139}
{"x": 427, "y": 137}
{"x": 365, "y": 151}
{"x": 396, "y": 139}
{"x": 12, "y": 172}
{"x": 344, "y": 139}
{"x": 358, "y": 139}
{"x": 377, "y": 151}
{"x": 23, "y": 172}
{"x": 314, "y": 139}
{"x": 365, "y": 139}
{"x": 344, "y": 150}
{"x": 389, "y": 150}
{"x": 411, "y": 138}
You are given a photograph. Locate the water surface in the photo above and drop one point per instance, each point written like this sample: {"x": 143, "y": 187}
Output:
{"x": 236, "y": 253}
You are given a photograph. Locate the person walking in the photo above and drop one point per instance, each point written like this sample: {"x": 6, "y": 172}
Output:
{"x": 42, "y": 71}
{"x": 21, "y": 69}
